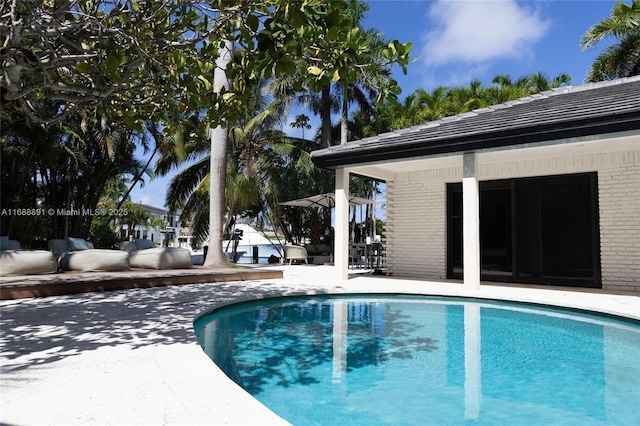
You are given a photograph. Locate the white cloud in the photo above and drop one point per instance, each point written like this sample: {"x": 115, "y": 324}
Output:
{"x": 475, "y": 31}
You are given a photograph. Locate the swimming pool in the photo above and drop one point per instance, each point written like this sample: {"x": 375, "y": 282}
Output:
{"x": 422, "y": 360}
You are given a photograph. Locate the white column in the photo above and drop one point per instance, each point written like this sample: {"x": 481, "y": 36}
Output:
{"x": 470, "y": 221}
{"x": 341, "y": 243}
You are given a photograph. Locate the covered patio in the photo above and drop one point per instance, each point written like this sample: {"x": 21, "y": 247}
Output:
{"x": 560, "y": 170}
{"x": 361, "y": 254}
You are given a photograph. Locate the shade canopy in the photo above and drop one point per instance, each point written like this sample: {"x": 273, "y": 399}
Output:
{"x": 325, "y": 200}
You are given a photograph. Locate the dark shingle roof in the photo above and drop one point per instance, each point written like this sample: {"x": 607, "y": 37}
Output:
{"x": 566, "y": 112}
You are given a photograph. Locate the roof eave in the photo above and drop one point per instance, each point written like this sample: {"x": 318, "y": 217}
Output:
{"x": 329, "y": 159}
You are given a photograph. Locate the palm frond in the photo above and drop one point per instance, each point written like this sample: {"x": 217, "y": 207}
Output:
{"x": 184, "y": 183}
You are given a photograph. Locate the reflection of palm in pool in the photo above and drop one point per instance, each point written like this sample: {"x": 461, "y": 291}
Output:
{"x": 370, "y": 359}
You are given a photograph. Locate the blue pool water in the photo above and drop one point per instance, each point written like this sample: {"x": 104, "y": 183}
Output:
{"x": 419, "y": 360}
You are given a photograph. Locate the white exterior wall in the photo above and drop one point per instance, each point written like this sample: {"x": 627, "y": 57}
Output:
{"x": 416, "y": 223}
{"x": 619, "y": 197}
{"x": 416, "y": 213}
{"x": 416, "y": 227}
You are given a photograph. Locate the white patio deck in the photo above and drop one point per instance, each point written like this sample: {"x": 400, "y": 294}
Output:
{"x": 130, "y": 356}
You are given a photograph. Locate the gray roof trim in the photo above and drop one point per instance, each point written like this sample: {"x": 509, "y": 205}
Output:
{"x": 558, "y": 114}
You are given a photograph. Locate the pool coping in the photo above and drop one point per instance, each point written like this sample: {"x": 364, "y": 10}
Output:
{"x": 616, "y": 304}
{"x": 540, "y": 295}
{"x": 145, "y": 382}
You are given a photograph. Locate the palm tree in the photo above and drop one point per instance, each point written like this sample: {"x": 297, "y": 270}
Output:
{"x": 504, "y": 89}
{"x": 467, "y": 98}
{"x": 288, "y": 91}
{"x": 102, "y": 231}
{"x": 136, "y": 216}
{"x": 370, "y": 76}
{"x": 422, "y": 106}
{"x": 66, "y": 166}
{"x": 256, "y": 158}
{"x": 621, "y": 59}
{"x": 368, "y": 82}
{"x": 218, "y": 166}
{"x": 540, "y": 82}
{"x": 301, "y": 122}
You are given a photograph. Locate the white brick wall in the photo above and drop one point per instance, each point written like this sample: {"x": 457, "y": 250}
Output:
{"x": 416, "y": 213}
{"x": 619, "y": 197}
{"x": 419, "y": 228}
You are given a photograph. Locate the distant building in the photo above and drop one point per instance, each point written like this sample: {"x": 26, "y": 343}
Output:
{"x": 162, "y": 231}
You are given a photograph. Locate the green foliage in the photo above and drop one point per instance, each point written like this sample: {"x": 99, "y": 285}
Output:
{"x": 102, "y": 232}
{"x": 78, "y": 75}
{"x": 621, "y": 59}
{"x": 421, "y": 106}
{"x": 135, "y": 61}
{"x": 60, "y": 170}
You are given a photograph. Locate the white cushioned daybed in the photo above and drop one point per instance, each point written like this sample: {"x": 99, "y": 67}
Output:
{"x": 76, "y": 254}
{"x": 15, "y": 260}
{"x": 144, "y": 254}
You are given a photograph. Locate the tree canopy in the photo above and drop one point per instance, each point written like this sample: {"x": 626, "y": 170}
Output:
{"x": 622, "y": 58}
{"x": 138, "y": 60}
{"x": 93, "y": 76}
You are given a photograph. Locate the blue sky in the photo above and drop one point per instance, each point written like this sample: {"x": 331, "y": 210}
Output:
{"x": 457, "y": 41}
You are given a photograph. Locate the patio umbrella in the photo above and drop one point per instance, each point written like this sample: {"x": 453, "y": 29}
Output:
{"x": 325, "y": 200}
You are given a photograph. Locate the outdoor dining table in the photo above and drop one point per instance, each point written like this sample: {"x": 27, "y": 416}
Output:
{"x": 365, "y": 255}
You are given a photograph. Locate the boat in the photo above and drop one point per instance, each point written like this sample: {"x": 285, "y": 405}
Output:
{"x": 237, "y": 257}
{"x": 249, "y": 238}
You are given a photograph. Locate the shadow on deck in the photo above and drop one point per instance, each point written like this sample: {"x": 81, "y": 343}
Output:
{"x": 23, "y": 286}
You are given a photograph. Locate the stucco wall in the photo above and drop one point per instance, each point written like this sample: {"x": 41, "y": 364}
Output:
{"x": 416, "y": 213}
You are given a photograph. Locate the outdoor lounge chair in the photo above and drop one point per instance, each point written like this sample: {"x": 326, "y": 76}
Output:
{"x": 15, "y": 260}
{"x": 76, "y": 254}
{"x": 144, "y": 254}
{"x": 292, "y": 252}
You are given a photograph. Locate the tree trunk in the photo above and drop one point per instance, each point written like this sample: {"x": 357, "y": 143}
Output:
{"x": 325, "y": 114}
{"x": 344, "y": 119}
{"x": 218, "y": 170}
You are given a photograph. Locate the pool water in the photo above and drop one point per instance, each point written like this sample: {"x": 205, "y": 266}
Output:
{"x": 420, "y": 360}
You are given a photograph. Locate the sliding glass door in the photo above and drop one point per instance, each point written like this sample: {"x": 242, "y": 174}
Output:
{"x": 537, "y": 230}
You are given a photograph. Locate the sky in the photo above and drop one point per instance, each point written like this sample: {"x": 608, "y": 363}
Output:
{"x": 457, "y": 41}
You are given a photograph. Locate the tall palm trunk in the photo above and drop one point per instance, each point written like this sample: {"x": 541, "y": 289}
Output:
{"x": 325, "y": 114}
{"x": 344, "y": 120}
{"x": 218, "y": 169}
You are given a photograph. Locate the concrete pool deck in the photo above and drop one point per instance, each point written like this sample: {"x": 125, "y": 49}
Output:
{"x": 131, "y": 357}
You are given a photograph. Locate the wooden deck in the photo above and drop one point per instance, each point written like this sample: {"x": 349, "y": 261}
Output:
{"x": 23, "y": 286}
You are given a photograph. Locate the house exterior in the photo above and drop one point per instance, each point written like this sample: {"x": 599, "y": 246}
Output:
{"x": 542, "y": 190}
{"x": 159, "y": 235}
